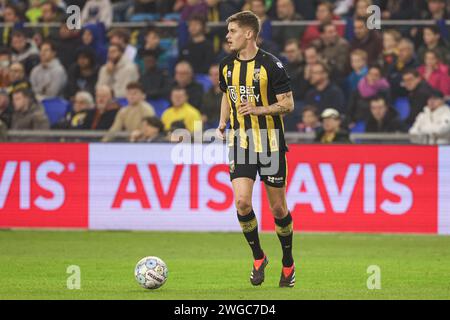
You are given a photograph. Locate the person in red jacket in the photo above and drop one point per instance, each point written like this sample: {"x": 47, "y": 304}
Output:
{"x": 435, "y": 72}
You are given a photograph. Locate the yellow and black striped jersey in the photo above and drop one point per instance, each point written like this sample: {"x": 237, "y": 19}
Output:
{"x": 258, "y": 80}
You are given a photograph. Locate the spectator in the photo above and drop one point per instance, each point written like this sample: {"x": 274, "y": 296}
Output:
{"x": 155, "y": 81}
{"x": 28, "y": 114}
{"x": 435, "y": 72}
{"x": 5, "y": 61}
{"x": 50, "y": 15}
{"x": 334, "y": 49}
{"x": 325, "y": 93}
{"x": 405, "y": 61}
{"x": 24, "y": 50}
{"x": 373, "y": 84}
{"x": 391, "y": 39}
{"x": 199, "y": 51}
{"x": 310, "y": 120}
{"x": 82, "y": 75}
{"x": 184, "y": 78}
{"x": 436, "y": 10}
{"x": 130, "y": 117}
{"x": 105, "y": 111}
{"x": 418, "y": 93}
{"x": 121, "y": 37}
{"x": 96, "y": 11}
{"x": 48, "y": 78}
{"x": 212, "y": 100}
{"x": 93, "y": 37}
{"x": 358, "y": 62}
{"x": 34, "y": 12}
{"x": 77, "y": 117}
{"x": 368, "y": 40}
{"x": 11, "y": 18}
{"x": 312, "y": 57}
{"x": 17, "y": 78}
{"x": 324, "y": 14}
{"x": 295, "y": 68}
{"x": 433, "y": 123}
{"x": 152, "y": 130}
{"x": 398, "y": 9}
{"x": 191, "y": 7}
{"x": 432, "y": 40}
{"x": 258, "y": 7}
{"x": 181, "y": 110}
{"x": 286, "y": 13}
{"x": 67, "y": 44}
{"x": 5, "y": 109}
{"x": 118, "y": 71}
{"x": 152, "y": 40}
{"x": 383, "y": 118}
{"x": 331, "y": 131}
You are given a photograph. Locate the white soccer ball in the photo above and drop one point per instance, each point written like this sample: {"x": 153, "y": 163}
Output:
{"x": 151, "y": 272}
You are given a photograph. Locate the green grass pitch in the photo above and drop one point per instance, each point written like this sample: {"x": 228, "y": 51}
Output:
{"x": 33, "y": 265}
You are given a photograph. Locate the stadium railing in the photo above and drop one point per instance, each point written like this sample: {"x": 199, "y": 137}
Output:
{"x": 208, "y": 136}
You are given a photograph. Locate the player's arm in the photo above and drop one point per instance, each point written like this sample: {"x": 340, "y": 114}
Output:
{"x": 284, "y": 104}
{"x": 224, "y": 117}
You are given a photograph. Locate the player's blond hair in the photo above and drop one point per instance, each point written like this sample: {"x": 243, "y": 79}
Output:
{"x": 246, "y": 19}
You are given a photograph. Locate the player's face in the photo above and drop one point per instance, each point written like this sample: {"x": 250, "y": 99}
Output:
{"x": 237, "y": 36}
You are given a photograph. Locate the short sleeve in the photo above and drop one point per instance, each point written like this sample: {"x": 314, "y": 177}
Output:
{"x": 222, "y": 80}
{"x": 279, "y": 78}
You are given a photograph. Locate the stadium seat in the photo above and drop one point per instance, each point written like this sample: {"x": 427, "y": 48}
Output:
{"x": 160, "y": 105}
{"x": 143, "y": 17}
{"x": 122, "y": 101}
{"x": 204, "y": 80}
{"x": 55, "y": 108}
{"x": 403, "y": 108}
{"x": 360, "y": 127}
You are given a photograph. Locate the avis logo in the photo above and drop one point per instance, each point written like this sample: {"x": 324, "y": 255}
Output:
{"x": 304, "y": 188}
{"x": 43, "y": 180}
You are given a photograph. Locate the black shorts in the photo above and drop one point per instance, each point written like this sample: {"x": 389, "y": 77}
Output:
{"x": 271, "y": 166}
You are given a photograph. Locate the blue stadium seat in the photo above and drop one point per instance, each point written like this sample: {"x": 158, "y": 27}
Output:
{"x": 160, "y": 105}
{"x": 360, "y": 127}
{"x": 204, "y": 80}
{"x": 403, "y": 108}
{"x": 55, "y": 108}
{"x": 143, "y": 17}
{"x": 122, "y": 101}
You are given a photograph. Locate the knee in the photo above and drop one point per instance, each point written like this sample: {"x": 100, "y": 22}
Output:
{"x": 243, "y": 206}
{"x": 279, "y": 210}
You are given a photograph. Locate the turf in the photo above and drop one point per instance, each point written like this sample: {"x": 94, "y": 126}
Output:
{"x": 33, "y": 265}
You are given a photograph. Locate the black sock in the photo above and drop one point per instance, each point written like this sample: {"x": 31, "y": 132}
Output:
{"x": 284, "y": 231}
{"x": 249, "y": 226}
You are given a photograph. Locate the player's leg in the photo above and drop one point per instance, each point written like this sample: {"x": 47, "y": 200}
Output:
{"x": 243, "y": 190}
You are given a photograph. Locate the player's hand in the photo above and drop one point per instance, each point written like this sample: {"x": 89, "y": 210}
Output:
{"x": 248, "y": 108}
{"x": 220, "y": 131}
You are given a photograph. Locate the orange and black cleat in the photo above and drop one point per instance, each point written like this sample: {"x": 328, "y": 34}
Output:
{"x": 257, "y": 276}
{"x": 287, "y": 278}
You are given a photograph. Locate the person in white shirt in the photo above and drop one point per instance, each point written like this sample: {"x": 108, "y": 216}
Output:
{"x": 432, "y": 125}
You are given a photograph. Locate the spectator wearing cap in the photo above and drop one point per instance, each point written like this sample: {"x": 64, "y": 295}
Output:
{"x": 433, "y": 123}
{"x": 418, "y": 93}
{"x": 18, "y": 78}
{"x": 130, "y": 117}
{"x": 5, "y": 108}
{"x": 368, "y": 40}
{"x": 331, "y": 131}
{"x": 199, "y": 51}
{"x": 83, "y": 102}
{"x": 184, "y": 78}
{"x": 48, "y": 79}
{"x": 121, "y": 37}
{"x": 383, "y": 118}
{"x": 82, "y": 74}
{"x": 155, "y": 81}
{"x": 97, "y": 11}
{"x": 435, "y": 72}
{"x": 24, "y": 50}
{"x": 105, "y": 111}
{"x": 181, "y": 110}
{"x": 28, "y": 114}
{"x": 118, "y": 71}
{"x": 325, "y": 93}
{"x": 152, "y": 130}
{"x": 310, "y": 120}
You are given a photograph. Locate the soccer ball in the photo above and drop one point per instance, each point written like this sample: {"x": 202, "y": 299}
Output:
{"x": 151, "y": 272}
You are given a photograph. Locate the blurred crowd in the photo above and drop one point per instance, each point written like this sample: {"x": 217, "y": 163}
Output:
{"x": 150, "y": 81}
